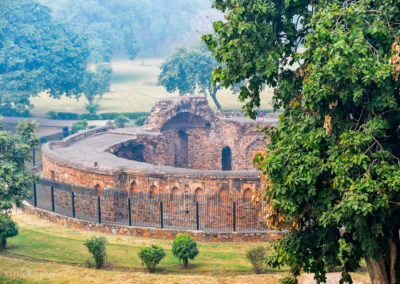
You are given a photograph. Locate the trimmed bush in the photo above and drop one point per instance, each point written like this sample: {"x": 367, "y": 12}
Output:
{"x": 8, "y": 229}
{"x": 97, "y": 247}
{"x": 120, "y": 120}
{"x": 184, "y": 248}
{"x": 140, "y": 121}
{"x": 79, "y": 125}
{"x": 257, "y": 257}
{"x": 151, "y": 256}
{"x": 288, "y": 280}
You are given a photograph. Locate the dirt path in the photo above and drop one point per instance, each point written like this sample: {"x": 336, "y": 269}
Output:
{"x": 333, "y": 278}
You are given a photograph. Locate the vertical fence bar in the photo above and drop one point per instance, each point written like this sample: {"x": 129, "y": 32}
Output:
{"x": 33, "y": 157}
{"x": 130, "y": 213}
{"x": 73, "y": 204}
{"x": 197, "y": 216}
{"x": 34, "y": 194}
{"x": 99, "y": 209}
{"x": 234, "y": 216}
{"x": 161, "y": 215}
{"x": 52, "y": 199}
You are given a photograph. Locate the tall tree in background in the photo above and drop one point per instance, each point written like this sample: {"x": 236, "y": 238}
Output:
{"x": 331, "y": 171}
{"x": 188, "y": 69}
{"x": 36, "y": 55}
{"x": 95, "y": 84}
{"x": 15, "y": 181}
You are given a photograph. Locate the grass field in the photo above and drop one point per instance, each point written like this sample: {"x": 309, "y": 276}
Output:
{"x": 134, "y": 88}
{"x": 44, "y": 252}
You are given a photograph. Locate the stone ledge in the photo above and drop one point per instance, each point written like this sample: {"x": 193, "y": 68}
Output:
{"x": 167, "y": 234}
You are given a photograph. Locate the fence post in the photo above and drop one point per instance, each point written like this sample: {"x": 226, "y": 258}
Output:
{"x": 197, "y": 216}
{"x": 52, "y": 199}
{"x": 34, "y": 194}
{"x": 234, "y": 216}
{"x": 99, "y": 209}
{"x": 73, "y": 204}
{"x": 130, "y": 213}
{"x": 161, "y": 215}
{"x": 33, "y": 157}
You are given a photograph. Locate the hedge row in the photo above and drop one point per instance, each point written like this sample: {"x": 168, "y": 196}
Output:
{"x": 93, "y": 116}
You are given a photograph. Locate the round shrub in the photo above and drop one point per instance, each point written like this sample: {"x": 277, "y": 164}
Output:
{"x": 257, "y": 257}
{"x": 120, "y": 120}
{"x": 79, "y": 125}
{"x": 8, "y": 229}
{"x": 97, "y": 247}
{"x": 184, "y": 248}
{"x": 151, "y": 256}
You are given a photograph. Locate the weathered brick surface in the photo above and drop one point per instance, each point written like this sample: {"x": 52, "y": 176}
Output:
{"x": 152, "y": 232}
{"x": 178, "y": 152}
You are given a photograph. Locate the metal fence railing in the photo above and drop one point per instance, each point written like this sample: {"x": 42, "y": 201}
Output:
{"x": 232, "y": 213}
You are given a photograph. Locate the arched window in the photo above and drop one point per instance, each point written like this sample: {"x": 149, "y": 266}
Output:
{"x": 247, "y": 194}
{"x": 226, "y": 159}
{"x": 198, "y": 194}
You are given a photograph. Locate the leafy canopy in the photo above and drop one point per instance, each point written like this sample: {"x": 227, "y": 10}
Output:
{"x": 36, "y": 55}
{"x": 151, "y": 256}
{"x": 331, "y": 170}
{"x": 184, "y": 247}
{"x": 188, "y": 70}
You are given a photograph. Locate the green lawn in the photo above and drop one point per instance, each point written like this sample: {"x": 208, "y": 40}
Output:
{"x": 44, "y": 252}
{"x": 134, "y": 88}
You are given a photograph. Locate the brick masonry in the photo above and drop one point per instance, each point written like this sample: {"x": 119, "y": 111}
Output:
{"x": 155, "y": 233}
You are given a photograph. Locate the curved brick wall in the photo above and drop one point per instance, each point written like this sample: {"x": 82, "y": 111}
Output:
{"x": 178, "y": 151}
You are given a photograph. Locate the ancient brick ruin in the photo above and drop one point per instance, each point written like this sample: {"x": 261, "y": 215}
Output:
{"x": 183, "y": 149}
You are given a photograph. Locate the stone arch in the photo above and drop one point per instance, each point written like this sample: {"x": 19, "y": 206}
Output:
{"x": 133, "y": 188}
{"x": 226, "y": 159}
{"x": 175, "y": 191}
{"x": 153, "y": 191}
{"x": 247, "y": 194}
{"x": 223, "y": 193}
{"x": 198, "y": 193}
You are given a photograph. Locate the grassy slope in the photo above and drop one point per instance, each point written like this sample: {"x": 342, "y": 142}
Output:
{"x": 134, "y": 88}
{"x": 44, "y": 252}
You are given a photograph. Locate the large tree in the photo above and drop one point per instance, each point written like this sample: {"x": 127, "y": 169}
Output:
{"x": 15, "y": 180}
{"x": 36, "y": 54}
{"x": 95, "y": 84}
{"x": 331, "y": 171}
{"x": 188, "y": 70}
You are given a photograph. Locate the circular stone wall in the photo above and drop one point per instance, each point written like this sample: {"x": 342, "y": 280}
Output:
{"x": 183, "y": 149}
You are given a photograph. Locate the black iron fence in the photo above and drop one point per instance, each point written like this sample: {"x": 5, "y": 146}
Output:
{"x": 232, "y": 213}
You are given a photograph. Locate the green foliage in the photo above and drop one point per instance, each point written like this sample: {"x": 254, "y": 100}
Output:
{"x": 36, "y": 54}
{"x": 151, "y": 256}
{"x": 8, "y": 229}
{"x": 97, "y": 247}
{"x": 333, "y": 160}
{"x": 288, "y": 280}
{"x": 257, "y": 257}
{"x": 120, "y": 120}
{"x": 188, "y": 69}
{"x": 184, "y": 248}
{"x": 140, "y": 121}
{"x": 95, "y": 84}
{"x": 79, "y": 125}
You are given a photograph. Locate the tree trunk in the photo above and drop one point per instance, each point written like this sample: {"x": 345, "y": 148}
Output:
{"x": 185, "y": 263}
{"x": 213, "y": 95}
{"x": 387, "y": 269}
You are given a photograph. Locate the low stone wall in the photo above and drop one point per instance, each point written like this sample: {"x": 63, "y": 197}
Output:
{"x": 151, "y": 232}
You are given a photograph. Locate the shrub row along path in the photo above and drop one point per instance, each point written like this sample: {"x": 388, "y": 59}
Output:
{"x": 44, "y": 252}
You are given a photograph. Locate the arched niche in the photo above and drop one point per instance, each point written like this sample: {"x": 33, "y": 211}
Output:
{"x": 223, "y": 193}
{"x": 226, "y": 159}
{"x": 199, "y": 193}
{"x": 175, "y": 191}
{"x": 52, "y": 175}
{"x": 181, "y": 150}
{"x": 153, "y": 191}
{"x": 247, "y": 194}
{"x": 133, "y": 188}
{"x": 97, "y": 187}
